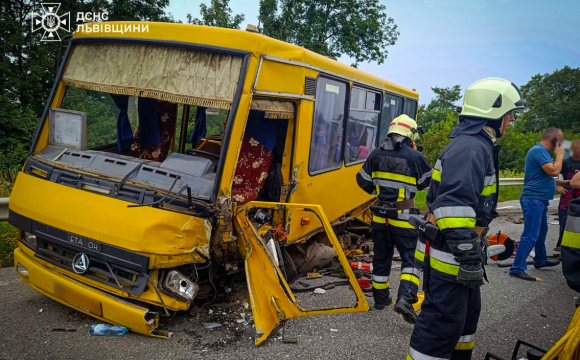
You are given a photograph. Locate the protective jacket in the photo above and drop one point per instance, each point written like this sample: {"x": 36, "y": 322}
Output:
{"x": 571, "y": 246}
{"x": 463, "y": 194}
{"x": 395, "y": 172}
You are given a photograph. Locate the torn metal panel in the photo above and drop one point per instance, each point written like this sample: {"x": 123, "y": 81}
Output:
{"x": 272, "y": 300}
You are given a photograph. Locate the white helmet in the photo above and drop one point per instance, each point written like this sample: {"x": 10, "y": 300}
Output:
{"x": 491, "y": 98}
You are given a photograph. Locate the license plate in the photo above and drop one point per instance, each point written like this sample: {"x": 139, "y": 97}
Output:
{"x": 79, "y": 300}
{"x": 84, "y": 242}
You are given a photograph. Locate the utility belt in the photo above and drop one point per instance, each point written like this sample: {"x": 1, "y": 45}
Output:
{"x": 391, "y": 209}
{"x": 429, "y": 232}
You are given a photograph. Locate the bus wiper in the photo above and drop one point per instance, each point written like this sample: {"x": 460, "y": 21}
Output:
{"x": 157, "y": 202}
{"x": 129, "y": 174}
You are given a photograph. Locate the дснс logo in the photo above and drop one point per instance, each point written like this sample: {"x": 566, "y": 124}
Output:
{"x": 50, "y": 21}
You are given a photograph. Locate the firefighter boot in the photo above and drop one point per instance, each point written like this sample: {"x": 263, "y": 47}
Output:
{"x": 382, "y": 298}
{"x": 405, "y": 308}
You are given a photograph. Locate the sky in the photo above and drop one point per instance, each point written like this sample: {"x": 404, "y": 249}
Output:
{"x": 448, "y": 42}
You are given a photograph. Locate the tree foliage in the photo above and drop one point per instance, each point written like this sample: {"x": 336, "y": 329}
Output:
{"x": 444, "y": 102}
{"x": 218, "y": 14}
{"x": 435, "y": 139}
{"x": 553, "y": 100}
{"x": 28, "y": 66}
{"x": 360, "y": 29}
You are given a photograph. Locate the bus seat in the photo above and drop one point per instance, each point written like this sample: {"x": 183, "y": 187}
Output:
{"x": 168, "y": 116}
{"x": 252, "y": 170}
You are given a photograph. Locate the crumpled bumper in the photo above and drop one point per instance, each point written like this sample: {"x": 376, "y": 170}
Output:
{"x": 88, "y": 300}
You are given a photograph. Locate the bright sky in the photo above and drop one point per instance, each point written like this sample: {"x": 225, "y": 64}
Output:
{"x": 448, "y": 42}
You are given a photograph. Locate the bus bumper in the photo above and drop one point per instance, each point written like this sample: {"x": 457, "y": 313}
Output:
{"x": 85, "y": 299}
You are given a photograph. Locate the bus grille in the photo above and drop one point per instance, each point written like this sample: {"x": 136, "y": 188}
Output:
{"x": 101, "y": 270}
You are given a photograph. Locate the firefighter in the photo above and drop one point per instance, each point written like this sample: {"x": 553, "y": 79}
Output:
{"x": 570, "y": 250}
{"x": 462, "y": 200}
{"x": 394, "y": 172}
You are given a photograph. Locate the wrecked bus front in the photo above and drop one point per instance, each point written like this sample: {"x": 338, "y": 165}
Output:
{"x": 116, "y": 202}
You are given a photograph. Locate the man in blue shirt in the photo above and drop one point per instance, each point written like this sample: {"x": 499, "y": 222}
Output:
{"x": 539, "y": 189}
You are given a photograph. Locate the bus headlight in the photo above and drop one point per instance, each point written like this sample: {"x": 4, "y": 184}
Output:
{"x": 30, "y": 239}
{"x": 22, "y": 270}
{"x": 180, "y": 285}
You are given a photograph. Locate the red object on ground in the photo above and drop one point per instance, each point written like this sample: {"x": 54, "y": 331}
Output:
{"x": 364, "y": 283}
{"x": 359, "y": 265}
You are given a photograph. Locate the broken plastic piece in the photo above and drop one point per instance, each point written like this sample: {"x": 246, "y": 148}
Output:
{"x": 319, "y": 291}
{"x": 211, "y": 326}
{"x": 314, "y": 275}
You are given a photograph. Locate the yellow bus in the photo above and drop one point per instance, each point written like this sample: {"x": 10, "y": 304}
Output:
{"x": 170, "y": 156}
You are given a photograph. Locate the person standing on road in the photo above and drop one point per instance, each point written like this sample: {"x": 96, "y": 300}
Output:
{"x": 570, "y": 167}
{"x": 571, "y": 242}
{"x": 539, "y": 189}
{"x": 462, "y": 199}
{"x": 395, "y": 172}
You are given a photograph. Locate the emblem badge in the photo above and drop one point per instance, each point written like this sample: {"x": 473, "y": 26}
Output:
{"x": 80, "y": 263}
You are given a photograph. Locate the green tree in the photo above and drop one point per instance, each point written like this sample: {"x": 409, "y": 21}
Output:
{"x": 444, "y": 102}
{"x": 515, "y": 145}
{"x": 553, "y": 100}
{"x": 360, "y": 29}
{"x": 435, "y": 140}
{"x": 218, "y": 14}
{"x": 28, "y": 65}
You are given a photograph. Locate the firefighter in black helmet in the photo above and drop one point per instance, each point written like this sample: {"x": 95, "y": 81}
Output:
{"x": 394, "y": 172}
{"x": 462, "y": 200}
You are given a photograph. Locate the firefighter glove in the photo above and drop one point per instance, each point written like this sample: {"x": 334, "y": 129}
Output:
{"x": 468, "y": 254}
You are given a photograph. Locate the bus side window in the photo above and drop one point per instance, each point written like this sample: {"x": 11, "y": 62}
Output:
{"x": 392, "y": 107}
{"x": 410, "y": 108}
{"x": 327, "y": 126}
{"x": 363, "y": 124}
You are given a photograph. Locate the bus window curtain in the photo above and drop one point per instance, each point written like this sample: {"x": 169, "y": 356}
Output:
{"x": 124, "y": 132}
{"x": 200, "y": 127}
{"x": 149, "y": 123}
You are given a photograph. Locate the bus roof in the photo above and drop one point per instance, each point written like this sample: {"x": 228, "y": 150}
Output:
{"x": 255, "y": 43}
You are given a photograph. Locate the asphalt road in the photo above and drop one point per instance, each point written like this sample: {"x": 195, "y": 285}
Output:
{"x": 512, "y": 309}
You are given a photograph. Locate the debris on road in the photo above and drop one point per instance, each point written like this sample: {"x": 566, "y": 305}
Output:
{"x": 211, "y": 326}
{"x": 319, "y": 291}
{"x": 63, "y": 330}
{"x": 333, "y": 330}
{"x": 518, "y": 221}
{"x": 107, "y": 329}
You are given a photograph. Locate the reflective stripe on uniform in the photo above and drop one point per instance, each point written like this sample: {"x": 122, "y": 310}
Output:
{"x": 454, "y": 211}
{"x": 378, "y": 219}
{"x": 438, "y": 165}
{"x": 392, "y": 176}
{"x": 573, "y": 224}
{"x": 381, "y": 286}
{"x": 456, "y": 223}
{"x": 416, "y": 355}
{"x": 488, "y": 190}
{"x": 489, "y": 180}
{"x": 571, "y": 239}
{"x": 424, "y": 177}
{"x": 466, "y": 342}
{"x": 410, "y": 277}
{"x": 381, "y": 279}
{"x": 380, "y": 282}
{"x": 439, "y": 260}
{"x": 394, "y": 185}
{"x": 436, "y": 175}
{"x": 401, "y": 224}
{"x": 365, "y": 175}
{"x": 411, "y": 270}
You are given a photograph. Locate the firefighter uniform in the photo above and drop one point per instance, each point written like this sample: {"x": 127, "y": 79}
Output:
{"x": 395, "y": 172}
{"x": 571, "y": 246}
{"x": 462, "y": 199}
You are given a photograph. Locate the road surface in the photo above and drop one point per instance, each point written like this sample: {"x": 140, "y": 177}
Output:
{"x": 32, "y": 325}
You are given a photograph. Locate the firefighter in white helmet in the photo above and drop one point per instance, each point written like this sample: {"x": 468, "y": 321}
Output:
{"x": 462, "y": 200}
{"x": 395, "y": 172}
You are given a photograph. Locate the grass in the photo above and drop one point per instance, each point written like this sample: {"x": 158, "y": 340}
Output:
{"x": 505, "y": 193}
{"x": 8, "y": 242}
{"x": 8, "y": 233}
